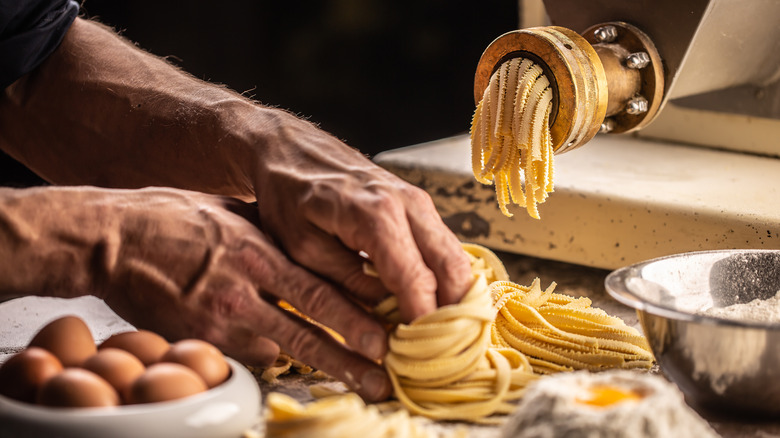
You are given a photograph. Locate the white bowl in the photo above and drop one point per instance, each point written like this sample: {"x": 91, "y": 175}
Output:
{"x": 224, "y": 411}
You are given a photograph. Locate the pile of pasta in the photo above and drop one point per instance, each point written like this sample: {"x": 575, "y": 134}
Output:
{"x": 510, "y": 136}
{"x": 344, "y": 416}
{"x": 472, "y": 360}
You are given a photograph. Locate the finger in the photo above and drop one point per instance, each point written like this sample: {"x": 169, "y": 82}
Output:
{"x": 222, "y": 312}
{"x": 315, "y": 347}
{"x": 379, "y": 226}
{"x": 442, "y": 252}
{"x": 325, "y": 255}
{"x": 315, "y": 298}
{"x": 403, "y": 271}
{"x": 256, "y": 351}
{"x": 322, "y": 302}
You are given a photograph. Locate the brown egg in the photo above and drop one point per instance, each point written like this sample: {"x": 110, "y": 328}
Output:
{"x": 24, "y": 373}
{"x": 117, "y": 367}
{"x": 68, "y": 338}
{"x": 147, "y": 346}
{"x": 77, "y": 388}
{"x": 202, "y": 357}
{"x": 166, "y": 381}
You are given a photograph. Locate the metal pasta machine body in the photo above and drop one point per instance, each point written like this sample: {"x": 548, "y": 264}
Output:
{"x": 665, "y": 123}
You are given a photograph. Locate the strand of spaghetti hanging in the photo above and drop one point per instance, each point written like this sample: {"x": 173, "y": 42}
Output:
{"x": 510, "y": 136}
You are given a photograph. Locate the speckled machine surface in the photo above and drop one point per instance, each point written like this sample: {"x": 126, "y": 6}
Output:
{"x": 20, "y": 319}
{"x": 618, "y": 200}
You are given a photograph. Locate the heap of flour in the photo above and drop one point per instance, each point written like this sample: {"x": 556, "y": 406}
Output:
{"x": 764, "y": 311}
{"x": 558, "y": 406}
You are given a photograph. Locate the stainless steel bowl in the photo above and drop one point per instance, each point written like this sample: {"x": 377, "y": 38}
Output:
{"x": 718, "y": 363}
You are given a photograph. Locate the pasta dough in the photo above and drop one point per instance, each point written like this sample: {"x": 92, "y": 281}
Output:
{"x": 510, "y": 136}
{"x": 470, "y": 360}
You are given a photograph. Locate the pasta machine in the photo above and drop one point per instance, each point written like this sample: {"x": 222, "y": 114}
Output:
{"x": 666, "y": 127}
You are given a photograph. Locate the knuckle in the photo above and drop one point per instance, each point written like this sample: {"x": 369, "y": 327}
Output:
{"x": 220, "y": 305}
{"x": 424, "y": 280}
{"x": 228, "y": 303}
{"x": 382, "y": 198}
{"x": 456, "y": 265}
{"x": 367, "y": 223}
{"x": 412, "y": 278}
{"x": 316, "y": 299}
{"x": 303, "y": 343}
{"x": 314, "y": 198}
{"x": 253, "y": 261}
{"x": 362, "y": 285}
{"x": 417, "y": 196}
{"x": 303, "y": 251}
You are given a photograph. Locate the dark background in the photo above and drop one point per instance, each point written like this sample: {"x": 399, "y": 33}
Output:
{"x": 379, "y": 74}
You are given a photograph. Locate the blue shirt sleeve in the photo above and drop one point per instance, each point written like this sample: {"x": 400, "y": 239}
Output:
{"x": 30, "y": 30}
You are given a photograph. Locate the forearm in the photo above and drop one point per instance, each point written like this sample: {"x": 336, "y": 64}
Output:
{"x": 101, "y": 111}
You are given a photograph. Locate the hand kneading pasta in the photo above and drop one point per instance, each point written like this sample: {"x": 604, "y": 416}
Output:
{"x": 510, "y": 136}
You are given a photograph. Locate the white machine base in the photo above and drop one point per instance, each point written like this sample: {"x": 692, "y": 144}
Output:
{"x": 617, "y": 200}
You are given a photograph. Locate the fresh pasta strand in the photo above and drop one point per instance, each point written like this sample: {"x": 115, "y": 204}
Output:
{"x": 510, "y": 136}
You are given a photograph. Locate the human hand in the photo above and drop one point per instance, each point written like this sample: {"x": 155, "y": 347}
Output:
{"x": 322, "y": 201}
{"x": 186, "y": 264}
{"x": 325, "y": 202}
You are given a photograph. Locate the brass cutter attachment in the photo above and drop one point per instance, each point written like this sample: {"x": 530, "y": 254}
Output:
{"x": 608, "y": 79}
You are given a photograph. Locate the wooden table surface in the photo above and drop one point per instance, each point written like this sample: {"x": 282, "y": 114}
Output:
{"x": 576, "y": 281}
{"x": 20, "y": 319}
